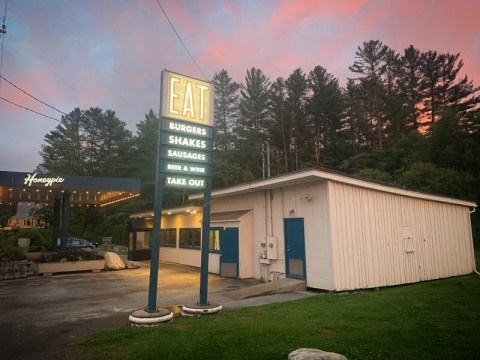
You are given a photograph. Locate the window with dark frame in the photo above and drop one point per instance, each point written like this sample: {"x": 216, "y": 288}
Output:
{"x": 168, "y": 237}
{"x": 190, "y": 238}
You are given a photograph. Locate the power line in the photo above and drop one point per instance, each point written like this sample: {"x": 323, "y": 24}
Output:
{"x": 33, "y": 97}
{"x": 23, "y": 107}
{"x": 40, "y": 101}
{"x": 179, "y": 38}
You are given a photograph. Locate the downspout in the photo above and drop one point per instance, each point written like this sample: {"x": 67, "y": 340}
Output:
{"x": 474, "y": 263}
{"x": 268, "y": 205}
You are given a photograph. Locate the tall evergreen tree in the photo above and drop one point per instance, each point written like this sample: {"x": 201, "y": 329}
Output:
{"x": 325, "y": 107}
{"x": 87, "y": 143}
{"x": 117, "y": 144}
{"x": 409, "y": 78}
{"x": 252, "y": 123}
{"x": 442, "y": 89}
{"x": 226, "y": 109}
{"x": 63, "y": 149}
{"x": 431, "y": 63}
{"x": 370, "y": 64}
{"x": 278, "y": 134}
{"x": 299, "y": 139}
{"x": 225, "y": 167}
{"x": 145, "y": 154}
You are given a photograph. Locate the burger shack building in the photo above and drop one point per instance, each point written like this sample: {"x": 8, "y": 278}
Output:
{"x": 331, "y": 230}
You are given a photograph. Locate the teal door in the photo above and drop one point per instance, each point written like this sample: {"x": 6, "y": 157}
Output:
{"x": 295, "y": 266}
{"x": 229, "y": 252}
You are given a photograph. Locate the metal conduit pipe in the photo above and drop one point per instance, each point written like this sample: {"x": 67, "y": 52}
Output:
{"x": 474, "y": 262}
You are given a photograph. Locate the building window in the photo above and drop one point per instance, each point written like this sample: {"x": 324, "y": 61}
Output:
{"x": 190, "y": 238}
{"x": 168, "y": 237}
{"x": 214, "y": 240}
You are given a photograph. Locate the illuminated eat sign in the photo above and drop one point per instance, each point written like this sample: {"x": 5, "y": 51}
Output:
{"x": 186, "y": 98}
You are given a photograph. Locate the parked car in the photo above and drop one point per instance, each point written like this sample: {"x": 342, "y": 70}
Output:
{"x": 76, "y": 243}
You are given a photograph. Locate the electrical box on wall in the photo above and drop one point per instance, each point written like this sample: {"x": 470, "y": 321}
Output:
{"x": 272, "y": 248}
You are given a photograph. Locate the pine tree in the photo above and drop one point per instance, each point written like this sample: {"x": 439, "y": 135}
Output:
{"x": 226, "y": 109}
{"x": 325, "y": 107}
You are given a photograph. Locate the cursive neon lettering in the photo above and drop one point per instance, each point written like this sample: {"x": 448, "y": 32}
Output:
{"x": 32, "y": 179}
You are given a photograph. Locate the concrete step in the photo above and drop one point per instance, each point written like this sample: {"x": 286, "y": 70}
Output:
{"x": 274, "y": 287}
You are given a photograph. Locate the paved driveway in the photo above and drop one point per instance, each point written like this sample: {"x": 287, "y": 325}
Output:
{"x": 40, "y": 314}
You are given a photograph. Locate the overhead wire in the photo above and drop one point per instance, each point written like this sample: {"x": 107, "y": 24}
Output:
{"x": 63, "y": 113}
{"x": 23, "y": 107}
{"x": 33, "y": 97}
{"x": 181, "y": 41}
{"x": 3, "y": 33}
{"x": 37, "y": 99}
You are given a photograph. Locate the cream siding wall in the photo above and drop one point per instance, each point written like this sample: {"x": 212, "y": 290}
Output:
{"x": 382, "y": 239}
{"x": 318, "y": 245}
{"x": 245, "y": 242}
{"x": 318, "y": 242}
{"x": 184, "y": 256}
{"x": 255, "y": 202}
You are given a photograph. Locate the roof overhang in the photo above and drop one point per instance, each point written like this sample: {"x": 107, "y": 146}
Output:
{"x": 173, "y": 211}
{"x": 320, "y": 175}
{"x": 83, "y": 190}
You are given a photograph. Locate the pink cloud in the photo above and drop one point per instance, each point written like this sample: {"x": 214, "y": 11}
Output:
{"x": 233, "y": 9}
{"x": 291, "y": 12}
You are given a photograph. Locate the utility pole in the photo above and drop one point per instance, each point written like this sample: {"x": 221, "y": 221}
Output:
{"x": 266, "y": 149}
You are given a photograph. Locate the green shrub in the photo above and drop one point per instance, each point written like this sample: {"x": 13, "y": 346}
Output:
{"x": 38, "y": 237}
{"x": 120, "y": 234}
{"x": 13, "y": 254}
{"x": 70, "y": 255}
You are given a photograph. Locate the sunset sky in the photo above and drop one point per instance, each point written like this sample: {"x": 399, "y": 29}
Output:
{"x": 109, "y": 53}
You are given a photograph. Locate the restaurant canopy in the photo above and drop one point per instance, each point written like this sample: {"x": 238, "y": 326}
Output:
{"x": 81, "y": 190}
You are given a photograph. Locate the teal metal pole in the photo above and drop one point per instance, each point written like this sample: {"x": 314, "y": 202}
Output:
{"x": 57, "y": 218}
{"x": 155, "y": 244}
{"x": 205, "y": 240}
{"x": 64, "y": 225}
{"x": 157, "y": 217}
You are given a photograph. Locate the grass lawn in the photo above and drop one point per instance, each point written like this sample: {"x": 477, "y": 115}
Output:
{"x": 432, "y": 320}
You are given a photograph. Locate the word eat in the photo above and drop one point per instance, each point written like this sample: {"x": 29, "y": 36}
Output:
{"x": 188, "y": 98}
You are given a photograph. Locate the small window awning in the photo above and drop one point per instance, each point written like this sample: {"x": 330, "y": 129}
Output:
{"x": 228, "y": 216}
{"x": 140, "y": 224}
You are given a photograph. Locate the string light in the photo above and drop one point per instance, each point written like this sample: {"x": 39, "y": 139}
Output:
{"x": 119, "y": 200}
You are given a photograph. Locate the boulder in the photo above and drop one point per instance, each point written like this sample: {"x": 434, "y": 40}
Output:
{"x": 314, "y": 354}
{"x": 130, "y": 264}
{"x": 113, "y": 261}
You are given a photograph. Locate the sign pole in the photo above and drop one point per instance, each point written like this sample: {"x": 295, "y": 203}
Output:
{"x": 205, "y": 243}
{"x": 157, "y": 218}
{"x": 152, "y": 315}
{"x": 155, "y": 243}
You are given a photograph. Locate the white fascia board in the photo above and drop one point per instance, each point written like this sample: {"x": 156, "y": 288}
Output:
{"x": 314, "y": 174}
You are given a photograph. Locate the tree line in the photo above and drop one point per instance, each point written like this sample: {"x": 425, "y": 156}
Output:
{"x": 405, "y": 118}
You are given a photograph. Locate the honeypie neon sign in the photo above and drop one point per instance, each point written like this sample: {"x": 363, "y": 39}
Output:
{"x": 47, "y": 181}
